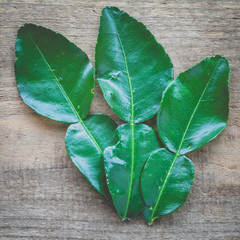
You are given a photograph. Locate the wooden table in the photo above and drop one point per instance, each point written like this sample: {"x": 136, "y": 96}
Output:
{"x": 43, "y": 195}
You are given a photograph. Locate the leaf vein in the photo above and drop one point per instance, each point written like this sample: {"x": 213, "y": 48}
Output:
{"x": 180, "y": 145}
{"x": 131, "y": 121}
{"x": 65, "y": 95}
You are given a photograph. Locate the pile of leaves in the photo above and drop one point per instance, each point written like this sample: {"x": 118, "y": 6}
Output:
{"x": 127, "y": 164}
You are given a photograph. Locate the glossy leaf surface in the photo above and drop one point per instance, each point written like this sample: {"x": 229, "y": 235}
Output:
{"x": 194, "y": 109}
{"x": 132, "y": 69}
{"x": 165, "y": 183}
{"x": 54, "y": 77}
{"x": 123, "y": 166}
{"x": 85, "y": 144}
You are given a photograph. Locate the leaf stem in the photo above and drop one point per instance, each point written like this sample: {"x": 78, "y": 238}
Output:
{"x": 131, "y": 119}
{"x": 163, "y": 186}
{"x": 180, "y": 146}
{"x": 131, "y": 173}
{"x": 132, "y": 130}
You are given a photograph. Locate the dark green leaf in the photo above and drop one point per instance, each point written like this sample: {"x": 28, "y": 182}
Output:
{"x": 132, "y": 69}
{"x": 165, "y": 183}
{"x": 54, "y": 77}
{"x": 123, "y": 166}
{"x": 86, "y": 142}
{"x": 194, "y": 109}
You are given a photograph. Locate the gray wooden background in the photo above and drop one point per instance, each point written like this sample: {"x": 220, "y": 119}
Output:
{"x": 42, "y": 194}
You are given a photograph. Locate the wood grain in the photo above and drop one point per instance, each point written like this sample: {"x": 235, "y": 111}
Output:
{"x": 42, "y": 194}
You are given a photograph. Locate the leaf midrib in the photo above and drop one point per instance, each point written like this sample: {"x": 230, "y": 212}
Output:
{"x": 181, "y": 143}
{"x": 131, "y": 125}
{"x": 131, "y": 121}
{"x": 65, "y": 95}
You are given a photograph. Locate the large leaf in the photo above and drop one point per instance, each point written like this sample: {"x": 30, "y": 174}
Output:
{"x": 194, "y": 109}
{"x": 132, "y": 69}
{"x": 123, "y": 166}
{"x": 165, "y": 183}
{"x": 54, "y": 77}
{"x": 86, "y": 142}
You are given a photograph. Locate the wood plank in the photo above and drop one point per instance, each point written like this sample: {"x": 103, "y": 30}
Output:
{"x": 43, "y": 195}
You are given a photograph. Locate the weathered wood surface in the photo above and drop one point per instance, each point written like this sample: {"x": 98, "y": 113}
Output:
{"x": 42, "y": 194}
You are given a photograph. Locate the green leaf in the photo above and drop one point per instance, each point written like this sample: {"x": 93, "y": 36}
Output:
{"x": 132, "y": 69}
{"x": 194, "y": 109}
{"x": 165, "y": 183}
{"x": 85, "y": 144}
{"x": 54, "y": 77}
{"x": 123, "y": 166}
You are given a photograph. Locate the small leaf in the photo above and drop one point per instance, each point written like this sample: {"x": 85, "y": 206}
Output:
{"x": 132, "y": 68}
{"x": 194, "y": 109}
{"x": 165, "y": 183}
{"x": 85, "y": 144}
{"x": 123, "y": 166}
{"x": 54, "y": 77}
